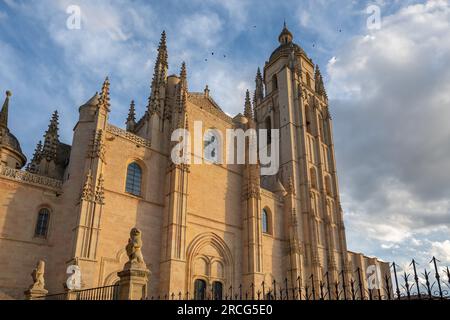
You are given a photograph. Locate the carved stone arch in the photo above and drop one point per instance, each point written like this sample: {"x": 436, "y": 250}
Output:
{"x": 198, "y": 249}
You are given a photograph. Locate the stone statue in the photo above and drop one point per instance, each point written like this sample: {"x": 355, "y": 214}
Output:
{"x": 38, "y": 276}
{"x": 133, "y": 249}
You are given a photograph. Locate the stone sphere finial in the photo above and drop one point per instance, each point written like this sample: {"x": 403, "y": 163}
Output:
{"x": 8, "y": 93}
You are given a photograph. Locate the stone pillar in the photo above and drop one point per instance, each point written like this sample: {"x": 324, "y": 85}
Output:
{"x": 133, "y": 284}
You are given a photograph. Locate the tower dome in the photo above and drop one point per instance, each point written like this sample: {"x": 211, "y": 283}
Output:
{"x": 286, "y": 45}
{"x": 11, "y": 153}
{"x": 285, "y": 35}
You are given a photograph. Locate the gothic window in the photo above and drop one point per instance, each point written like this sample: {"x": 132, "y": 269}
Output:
{"x": 218, "y": 290}
{"x": 313, "y": 178}
{"x": 308, "y": 119}
{"x": 325, "y": 132}
{"x": 269, "y": 130}
{"x": 200, "y": 289}
{"x": 274, "y": 82}
{"x": 328, "y": 186}
{"x": 134, "y": 179}
{"x": 42, "y": 223}
{"x": 265, "y": 221}
{"x": 308, "y": 80}
{"x": 322, "y": 132}
{"x": 211, "y": 146}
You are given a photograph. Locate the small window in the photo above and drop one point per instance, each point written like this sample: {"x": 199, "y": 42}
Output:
{"x": 308, "y": 119}
{"x": 200, "y": 290}
{"x": 308, "y": 80}
{"x": 328, "y": 186}
{"x": 134, "y": 179}
{"x": 265, "y": 222}
{"x": 218, "y": 290}
{"x": 313, "y": 178}
{"x": 42, "y": 223}
{"x": 321, "y": 129}
{"x": 274, "y": 82}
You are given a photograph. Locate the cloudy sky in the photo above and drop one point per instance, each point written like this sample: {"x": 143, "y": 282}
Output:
{"x": 389, "y": 89}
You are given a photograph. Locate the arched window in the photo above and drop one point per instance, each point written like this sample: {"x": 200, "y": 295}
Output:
{"x": 308, "y": 80}
{"x": 308, "y": 119}
{"x": 265, "y": 221}
{"x": 42, "y": 223}
{"x": 269, "y": 130}
{"x": 313, "y": 178}
{"x": 274, "y": 82}
{"x": 134, "y": 179}
{"x": 328, "y": 186}
{"x": 218, "y": 290}
{"x": 200, "y": 289}
{"x": 321, "y": 128}
{"x": 325, "y": 132}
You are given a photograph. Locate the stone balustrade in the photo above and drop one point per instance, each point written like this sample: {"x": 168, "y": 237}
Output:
{"x": 30, "y": 178}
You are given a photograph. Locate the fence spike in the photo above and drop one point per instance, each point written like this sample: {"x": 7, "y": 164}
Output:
{"x": 437, "y": 276}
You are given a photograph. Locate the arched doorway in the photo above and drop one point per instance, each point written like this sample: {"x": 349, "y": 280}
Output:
{"x": 200, "y": 289}
{"x": 210, "y": 267}
{"x": 217, "y": 290}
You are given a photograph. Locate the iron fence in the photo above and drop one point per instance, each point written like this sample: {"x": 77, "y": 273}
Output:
{"x": 100, "y": 293}
{"x": 398, "y": 284}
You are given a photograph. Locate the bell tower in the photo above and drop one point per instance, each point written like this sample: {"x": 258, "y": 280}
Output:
{"x": 295, "y": 102}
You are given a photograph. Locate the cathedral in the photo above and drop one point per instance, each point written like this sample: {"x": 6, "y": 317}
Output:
{"x": 205, "y": 226}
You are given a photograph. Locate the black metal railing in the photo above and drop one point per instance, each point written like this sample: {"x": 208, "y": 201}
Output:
{"x": 101, "y": 293}
{"x": 398, "y": 284}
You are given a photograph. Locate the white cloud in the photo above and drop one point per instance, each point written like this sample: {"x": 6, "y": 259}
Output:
{"x": 441, "y": 250}
{"x": 393, "y": 85}
{"x": 202, "y": 29}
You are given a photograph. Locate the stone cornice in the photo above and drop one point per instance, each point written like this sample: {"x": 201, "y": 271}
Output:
{"x": 30, "y": 178}
{"x": 128, "y": 136}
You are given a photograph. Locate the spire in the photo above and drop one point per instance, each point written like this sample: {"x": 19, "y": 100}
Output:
{"x": 248, "y": 106}
{"x": 51, "y": 139}
{"x": 162, "y": 51}
{"x": 37, "y": 152}
{"x": 183, "y": 75}
{"x": 37, "y": 156}
{"x": 320, "y": 88}
{"x": 104, "y": 97}
{"x": 131, "y": 120}
{"x": 4, "y": 111}
{"x": 259, "y": 93}
{"x": 159, "y": 76}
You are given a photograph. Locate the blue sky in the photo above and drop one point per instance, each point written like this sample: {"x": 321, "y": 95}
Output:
{"x": 389, "y": 88}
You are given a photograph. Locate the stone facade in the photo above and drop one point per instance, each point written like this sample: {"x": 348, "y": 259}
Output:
{"x": 198, "y": 222}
